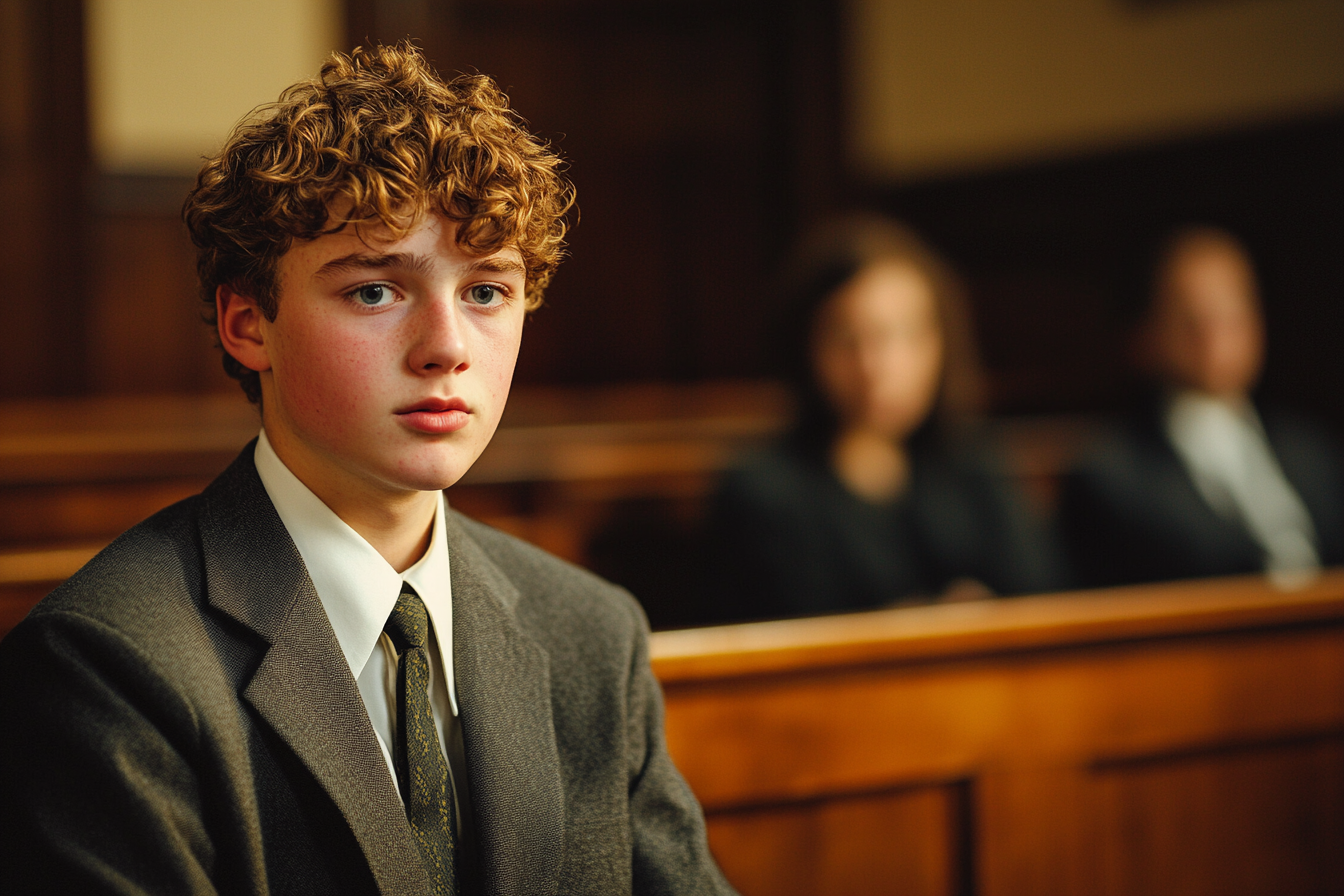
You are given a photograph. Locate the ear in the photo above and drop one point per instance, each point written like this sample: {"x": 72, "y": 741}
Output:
{"x": 241, "y": 328}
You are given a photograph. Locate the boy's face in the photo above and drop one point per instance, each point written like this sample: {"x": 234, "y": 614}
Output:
{"x": 389, "y": 361}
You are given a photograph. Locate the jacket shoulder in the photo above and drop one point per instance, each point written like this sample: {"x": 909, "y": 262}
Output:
{"x": 553, "y": 591}
{"x": 131, "y": 583}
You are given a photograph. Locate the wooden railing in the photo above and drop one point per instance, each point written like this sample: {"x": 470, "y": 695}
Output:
{"x": 568, "y": 468}
{"x": 1182, "y": 739}
{"x": 76, "y": 472}
{"x": 87, "y": 469}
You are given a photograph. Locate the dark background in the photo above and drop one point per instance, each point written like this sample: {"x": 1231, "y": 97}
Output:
{"x": 702, "y": 136}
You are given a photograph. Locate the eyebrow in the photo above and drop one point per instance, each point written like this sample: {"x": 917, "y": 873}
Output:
{"x": 362, "y": 261}
{"x": 498, "y": 265}
{"x": 415, "y": 264}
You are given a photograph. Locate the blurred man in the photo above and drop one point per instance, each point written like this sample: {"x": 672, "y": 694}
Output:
{"x": 1204, "y": 482}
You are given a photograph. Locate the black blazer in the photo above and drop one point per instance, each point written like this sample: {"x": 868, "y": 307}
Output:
{"x": 787, "y": 538}
{"x": 1131, "y": 513}
{"x": 178, "y": 718}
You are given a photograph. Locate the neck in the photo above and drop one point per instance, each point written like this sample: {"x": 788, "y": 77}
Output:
{"x": 870, "y": 465}
{"x": 1232, "y": 399}
{"x": 399, "y": 529}
{"x": 396, "y": 522}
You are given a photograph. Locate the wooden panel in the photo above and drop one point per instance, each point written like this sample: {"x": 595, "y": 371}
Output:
{"x": 49, "y": 514}
{"x": 903, "y": 841}
{"x": 862, "y": 640}
{"x": 1113, "y": 742}
{"x": 1033, "y": 834}
{"x": 145, "y": 329}
{"x": 43, "y": 179}
{"x": 760, "y": 739}
{"x": 1263, "y": 819}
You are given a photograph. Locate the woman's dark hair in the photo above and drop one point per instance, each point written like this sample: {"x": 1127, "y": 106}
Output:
{"x": 832, "y": 254}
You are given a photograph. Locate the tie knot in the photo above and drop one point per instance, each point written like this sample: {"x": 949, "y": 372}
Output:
{"x": 408, "y": 626}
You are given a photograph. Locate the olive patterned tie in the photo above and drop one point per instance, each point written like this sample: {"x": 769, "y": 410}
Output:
{"x": 422, "y": 772}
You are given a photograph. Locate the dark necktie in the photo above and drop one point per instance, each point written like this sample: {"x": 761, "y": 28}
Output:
{"x": 422, "y": 772}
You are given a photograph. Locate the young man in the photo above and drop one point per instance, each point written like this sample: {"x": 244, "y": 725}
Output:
{"x": 313, "y": 677}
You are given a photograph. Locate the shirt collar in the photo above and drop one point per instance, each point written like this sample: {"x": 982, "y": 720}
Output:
{"x": 357, "y": 587}
{"x": 1210, "y": 436}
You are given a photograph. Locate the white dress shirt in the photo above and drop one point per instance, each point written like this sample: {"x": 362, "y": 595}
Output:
{"x": 358, "y": 589}
{"x": 1224, "y": 449}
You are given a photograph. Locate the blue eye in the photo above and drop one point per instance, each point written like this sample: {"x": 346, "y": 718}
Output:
{"x": 372, "y": 294}
{"x": 484, "y": 294}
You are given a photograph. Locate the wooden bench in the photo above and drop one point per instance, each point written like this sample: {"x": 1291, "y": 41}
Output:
{"x": 1173, "y": 739}
{"x": 76, "y": 472}
{"x": 613, "y": 477}
{"x": 88, "y": 468}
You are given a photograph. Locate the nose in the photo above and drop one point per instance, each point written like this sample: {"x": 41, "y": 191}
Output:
{"x": 872, "y": 358}
{"x": 439, "y": 338}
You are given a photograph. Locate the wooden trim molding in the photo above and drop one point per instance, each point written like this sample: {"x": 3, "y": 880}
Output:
{"x": 991, "y": 627}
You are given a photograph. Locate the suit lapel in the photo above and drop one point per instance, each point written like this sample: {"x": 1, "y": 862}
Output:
{"x": 504, "y": 692}
{"x": 303, "y": 687}
{"x": 1221, "y": 542}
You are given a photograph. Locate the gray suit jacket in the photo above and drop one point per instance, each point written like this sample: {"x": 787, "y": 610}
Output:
{"x": 178, "y": 718}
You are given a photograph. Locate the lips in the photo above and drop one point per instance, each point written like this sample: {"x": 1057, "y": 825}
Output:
{"x": 436, "y": 415}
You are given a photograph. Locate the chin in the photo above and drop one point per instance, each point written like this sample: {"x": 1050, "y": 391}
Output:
{"x": 892, "y": 427}
{"x": 435, "y": 475}
{"x": 431, "y": 482}
{"x": 429, "y": 464}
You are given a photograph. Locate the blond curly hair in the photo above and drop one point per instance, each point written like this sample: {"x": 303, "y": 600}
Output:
{"x": 378, "y": 137}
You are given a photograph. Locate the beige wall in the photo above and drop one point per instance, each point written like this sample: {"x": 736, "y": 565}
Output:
{"x": 934, "y": 85}
{"x": 169, "y": 78}
{"x": 952, "y": 85}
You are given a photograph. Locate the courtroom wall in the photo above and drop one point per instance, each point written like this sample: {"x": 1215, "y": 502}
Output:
{"x": 1029, "y": 140}
{"x": 168, "y": 80}
{"x": 948, "y": 86}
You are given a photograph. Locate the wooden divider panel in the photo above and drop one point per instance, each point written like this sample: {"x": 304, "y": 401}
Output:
{"x": 1170, "y": 739}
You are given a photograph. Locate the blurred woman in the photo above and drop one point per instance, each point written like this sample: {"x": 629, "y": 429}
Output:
{"x": 883, "y": 492}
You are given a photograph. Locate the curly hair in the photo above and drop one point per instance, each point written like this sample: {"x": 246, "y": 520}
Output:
{"x": 378, "y": 137}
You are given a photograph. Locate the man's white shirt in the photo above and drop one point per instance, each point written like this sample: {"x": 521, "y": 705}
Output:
{"x": 1224, "y": 449}
{"x": 358, "y": 589}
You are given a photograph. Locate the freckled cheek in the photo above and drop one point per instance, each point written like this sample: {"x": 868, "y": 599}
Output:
{"x": 503, "y": 357}
{"x": 330, "y": 373}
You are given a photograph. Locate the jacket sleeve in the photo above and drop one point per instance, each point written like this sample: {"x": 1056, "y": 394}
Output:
{"x": 671, "y": 853}
{"x": 98, "y": 791}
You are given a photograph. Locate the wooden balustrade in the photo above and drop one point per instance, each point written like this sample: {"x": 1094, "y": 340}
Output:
{"x": 1183, "y": 739}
